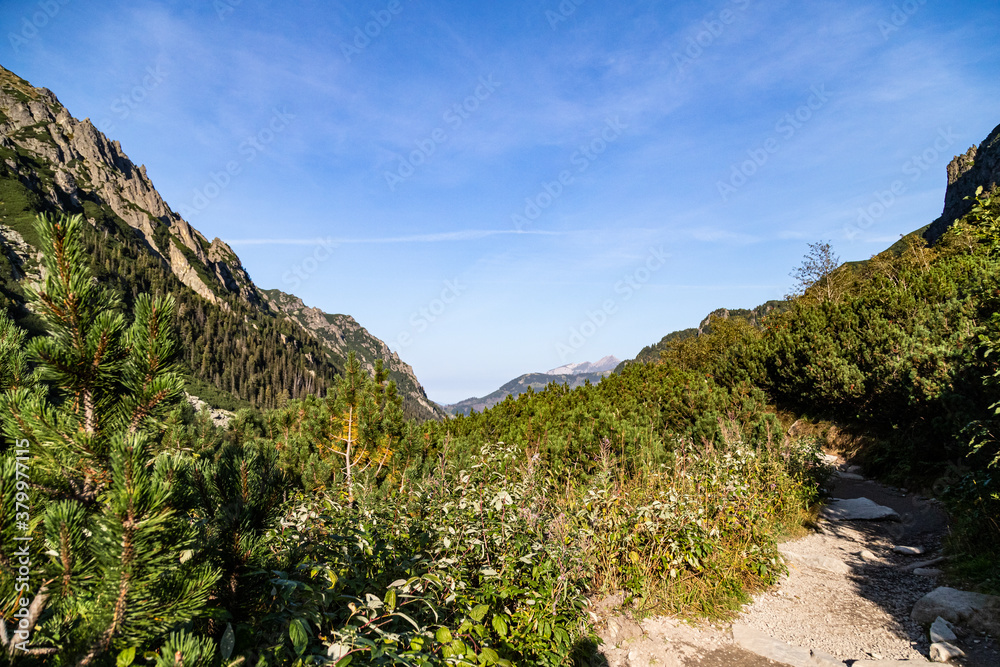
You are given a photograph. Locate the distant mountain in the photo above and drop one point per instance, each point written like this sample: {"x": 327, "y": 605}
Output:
{"x": 651, "y": 353}
{"x": 607, "y": 363}
{"x": 239, "y": 346}
{"x": 571, "y": 375}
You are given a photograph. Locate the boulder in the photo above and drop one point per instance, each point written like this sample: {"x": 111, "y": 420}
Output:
{"x": 857, "y": 509}
{"x": 976, "y": 611}
{"x": 945, "y": 652}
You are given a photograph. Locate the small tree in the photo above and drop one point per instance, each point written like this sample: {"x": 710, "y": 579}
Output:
{"x": 113, "y": 558}
{"x": 816, "y": 271}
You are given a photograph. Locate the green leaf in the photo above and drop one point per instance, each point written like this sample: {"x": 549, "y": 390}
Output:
{"x": 443, "y": 635}
{"x": 488, "y": 657}
{"x": 345, "y": 661}
{"x": 126, "y": 657}
{"x": 500, "y": 625}
{"x": 479, "y": 612}
{"x": 227, "y": 642}
{"x": 390, "y": 599}
{"x": 298, "y": 631}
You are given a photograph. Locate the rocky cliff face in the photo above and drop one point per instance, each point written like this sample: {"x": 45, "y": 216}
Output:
{"x": 979, "y": 166}
{"x": 70, "y": 163}
{"x": 341, "y": 334}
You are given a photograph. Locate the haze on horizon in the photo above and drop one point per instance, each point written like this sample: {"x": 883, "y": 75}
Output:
{"x": 495, "y": 190}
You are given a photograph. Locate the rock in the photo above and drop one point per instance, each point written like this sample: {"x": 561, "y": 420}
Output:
{"x": 857, "y": 509}
{"x": 829, "y": 459}
{"x": 867, "y": 555}
{"x": 909, "y": 551}
{"x": 926, "y": 563}
{"x": 854, "y": 469}
{"x": 941, "y": 631}
{"x": 849, "y": 475}
{"x": 890, "y": 663}
{"x": 926, "y": 571}
{"x": 826, "y": 563}
{"x": 755, "y": 641}
{"x": 945, "y": 652}
{"x": 821, "y": 659}
{"x": 975, "y": 611}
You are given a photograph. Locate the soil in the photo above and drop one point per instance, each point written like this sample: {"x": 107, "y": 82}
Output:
{"x": 862, "y": 613}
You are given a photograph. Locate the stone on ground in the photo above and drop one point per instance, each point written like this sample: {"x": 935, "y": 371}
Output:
{"x": 945, "y": 652}
{"x": 890, "y": 663}
{"x": 755, "y": 641}
{"x": 908, "y": 551}
{"x": 857, "y": 509}
{"x": 941, "y": 631}
{"x": 926, "y": 571}
{"x": 975, "y": 611}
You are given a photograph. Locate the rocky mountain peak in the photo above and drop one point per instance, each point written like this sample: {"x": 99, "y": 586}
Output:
{"x": 79, "y": 163}
{"x": 978, "y": 166}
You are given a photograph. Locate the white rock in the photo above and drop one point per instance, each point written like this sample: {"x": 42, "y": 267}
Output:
{"x": 857, "y": 509}
{"x": 941, "y": 631}
{"x": 755, "y": 641}
{"x": 867, "y": 555}
{"x": 854, "y": 469}
{"x": 908, "y": 551}
{"x": 849, "y": 475}
{"x": 975, "y": 611}
{"x": 945, "y": 652}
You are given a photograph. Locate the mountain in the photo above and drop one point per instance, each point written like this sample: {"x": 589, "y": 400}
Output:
{"x": 977, "y": 167}
{"x": 239, "y": 346}
{"x": 755, "y": 316}
{"x": 571, "y": 375}
{"x": 342, "y": 334}
{"x": 607, "y": 363}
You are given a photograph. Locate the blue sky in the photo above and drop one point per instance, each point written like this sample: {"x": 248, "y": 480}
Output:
{"x": 501, "y": 188}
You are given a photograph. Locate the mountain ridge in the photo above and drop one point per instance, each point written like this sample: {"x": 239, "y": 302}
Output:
{"x": 53, "y": 163}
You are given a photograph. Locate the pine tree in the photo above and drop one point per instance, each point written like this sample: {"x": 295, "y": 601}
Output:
{"x": 113, "y": 557}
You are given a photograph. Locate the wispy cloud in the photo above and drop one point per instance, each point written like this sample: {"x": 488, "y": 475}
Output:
{"x": 460, "y": 235}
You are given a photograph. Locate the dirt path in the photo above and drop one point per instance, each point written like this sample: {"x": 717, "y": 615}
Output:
{"x": 847, "y": 598}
